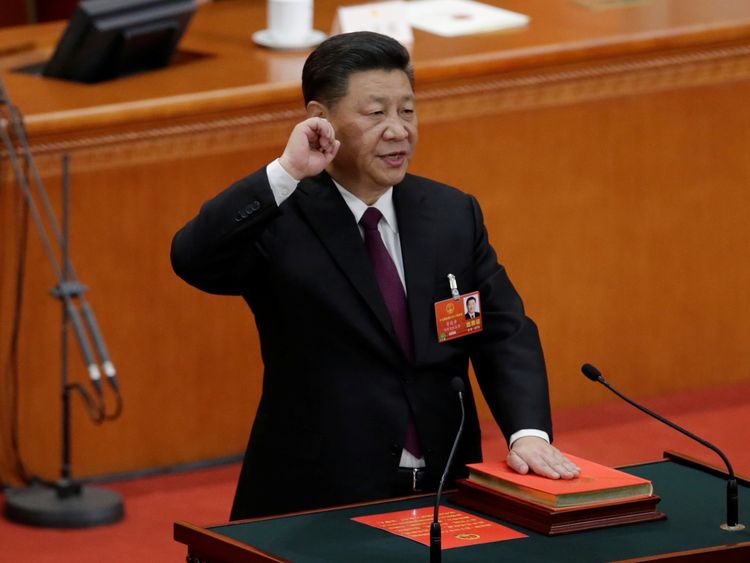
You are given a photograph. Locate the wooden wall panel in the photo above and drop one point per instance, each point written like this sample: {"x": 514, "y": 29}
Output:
{"x": 622, "y": 221}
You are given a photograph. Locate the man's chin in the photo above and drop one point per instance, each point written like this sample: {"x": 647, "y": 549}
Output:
{"x": 394, "y": 176}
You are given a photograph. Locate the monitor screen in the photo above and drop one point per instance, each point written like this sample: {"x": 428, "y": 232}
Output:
{"x": 107, "y": 39}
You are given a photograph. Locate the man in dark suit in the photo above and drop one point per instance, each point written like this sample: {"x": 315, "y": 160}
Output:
{"x": 341, "y": 255}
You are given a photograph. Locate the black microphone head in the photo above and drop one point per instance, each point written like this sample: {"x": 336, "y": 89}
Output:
{"x": 591, "y": 372}
{"x": 457, "y": 384}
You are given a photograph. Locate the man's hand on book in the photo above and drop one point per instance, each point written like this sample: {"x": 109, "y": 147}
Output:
{"x": 536, "y": 454}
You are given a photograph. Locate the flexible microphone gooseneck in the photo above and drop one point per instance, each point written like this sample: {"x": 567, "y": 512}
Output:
{"x": 457, "y": 385}
{"x": 732, "y": 497}
{"x": 85, "y": 325}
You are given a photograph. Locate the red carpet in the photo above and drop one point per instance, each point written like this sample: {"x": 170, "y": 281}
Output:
{"x": 613, "y": 434}
{"x": 151, "y": 506}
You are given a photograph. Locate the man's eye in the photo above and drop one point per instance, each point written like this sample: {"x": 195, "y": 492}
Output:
{"x": 377, "y": 112}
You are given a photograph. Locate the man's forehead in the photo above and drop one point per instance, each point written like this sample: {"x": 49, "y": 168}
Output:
{"x": 367, "y": 84}
{"x": 377, "y": 74}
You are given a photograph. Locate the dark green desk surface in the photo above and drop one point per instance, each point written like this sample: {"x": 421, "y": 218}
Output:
{"x": 692, "y": 499}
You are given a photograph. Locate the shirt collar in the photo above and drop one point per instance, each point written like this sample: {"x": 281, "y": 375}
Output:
{"x": 384, "y": 204}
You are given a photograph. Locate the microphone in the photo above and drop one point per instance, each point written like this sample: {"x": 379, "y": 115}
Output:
{"x": 731, "y": 524}
{"x": 107, "y": 366}
{"x": 83, "y": 341}
{"x": 88, "y": 313}
{"x": 68, "y": 286}
{"x": 457, "y": 385}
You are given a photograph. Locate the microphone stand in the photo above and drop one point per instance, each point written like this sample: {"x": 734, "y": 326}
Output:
{"x": 436, "y": 549}
{"x": 66, "y": 503}
{"x": 731, "y": 525}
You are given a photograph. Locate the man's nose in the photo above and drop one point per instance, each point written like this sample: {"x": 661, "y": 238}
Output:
{"x": 395, "y": 130}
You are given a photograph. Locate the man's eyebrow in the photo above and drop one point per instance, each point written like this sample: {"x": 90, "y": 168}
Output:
{"x": 385, "y": 99}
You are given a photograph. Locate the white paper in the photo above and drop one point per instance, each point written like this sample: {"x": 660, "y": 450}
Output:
{"x": 451, "y": 18}
{"x": 388, "y": 18}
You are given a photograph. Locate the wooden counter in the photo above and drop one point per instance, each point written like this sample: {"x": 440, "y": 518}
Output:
{"x": 608, "y": 149}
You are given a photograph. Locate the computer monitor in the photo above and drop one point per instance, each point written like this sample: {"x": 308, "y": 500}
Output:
{"x": 107, "y": 39}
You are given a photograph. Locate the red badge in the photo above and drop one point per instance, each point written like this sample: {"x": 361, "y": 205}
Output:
{"x": 458, "y": 316}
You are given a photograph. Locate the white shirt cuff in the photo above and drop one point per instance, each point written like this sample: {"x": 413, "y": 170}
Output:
{"x": 282, "y": 184}
{"x": 528, "y": 432}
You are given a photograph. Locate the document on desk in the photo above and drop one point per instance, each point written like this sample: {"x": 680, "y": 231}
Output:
{"x": 459, "y": 529}
{"x": 451, "y": 18}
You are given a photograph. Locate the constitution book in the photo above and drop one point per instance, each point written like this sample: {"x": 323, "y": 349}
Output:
{"x": 596, "y": 484}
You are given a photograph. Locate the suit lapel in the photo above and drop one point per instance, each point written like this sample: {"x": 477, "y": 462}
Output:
{"x": 417, "y": 233}
{"x": 333, "y": 222}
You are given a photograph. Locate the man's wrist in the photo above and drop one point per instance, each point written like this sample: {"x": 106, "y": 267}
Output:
{"x": 526, "y": 432}
{"x": 282, "y": 183}
{"x": 289, "y": 169}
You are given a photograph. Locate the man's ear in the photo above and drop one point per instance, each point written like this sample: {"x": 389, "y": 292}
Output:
{"x": 316, "y": 109}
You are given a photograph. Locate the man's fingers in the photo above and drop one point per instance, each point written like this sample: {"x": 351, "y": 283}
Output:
{"x": 568, "y": 469}
{"x": 542, "y": 458}
{"x": 320, "y": 133}
{"x": 329, "y": 133}
{"x": 335, "y": 149}
{"x": 311, "y": 147}
{"x": 517, "y": 463}
{"x": 541, "y": 466}
{"x": 561, "y": 465}
{"x": 556, "y": 466}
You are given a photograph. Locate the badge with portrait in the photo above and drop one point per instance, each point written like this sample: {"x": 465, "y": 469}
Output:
{"x": 458, "y": 316}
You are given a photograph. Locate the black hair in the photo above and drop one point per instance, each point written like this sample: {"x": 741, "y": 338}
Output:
{"x": 325, "y": 76}
{"x": 471, "y": 299}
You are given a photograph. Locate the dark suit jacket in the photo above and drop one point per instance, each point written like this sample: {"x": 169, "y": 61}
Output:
{"x": 337, "y": 388}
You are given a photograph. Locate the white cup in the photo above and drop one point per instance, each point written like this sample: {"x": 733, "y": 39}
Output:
{"x": 290, "y": 21}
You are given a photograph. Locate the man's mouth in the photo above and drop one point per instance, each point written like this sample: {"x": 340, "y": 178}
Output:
{"x": 394, "y": 159}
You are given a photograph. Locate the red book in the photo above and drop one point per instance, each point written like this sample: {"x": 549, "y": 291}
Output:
{"x": 596, "y": 484}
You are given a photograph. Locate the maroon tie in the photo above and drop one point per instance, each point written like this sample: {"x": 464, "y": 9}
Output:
{"x": 395, "y": 300}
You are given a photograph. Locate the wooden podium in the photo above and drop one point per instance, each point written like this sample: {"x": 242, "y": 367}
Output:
{"x": 607, "y": 148}
{"x": 692, "y": 499}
